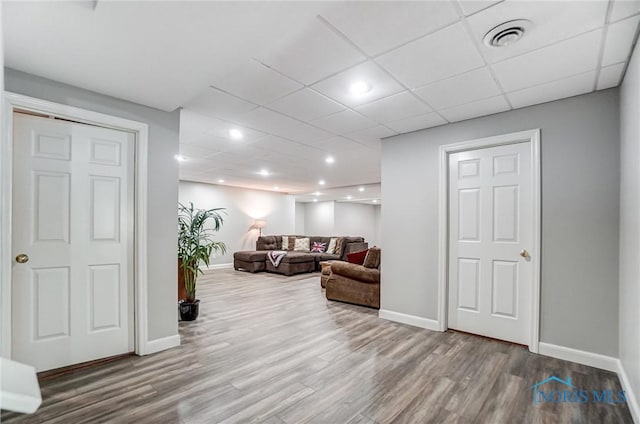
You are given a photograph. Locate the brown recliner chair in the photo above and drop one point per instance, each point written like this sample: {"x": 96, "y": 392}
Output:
{"x": 357, "y": 284}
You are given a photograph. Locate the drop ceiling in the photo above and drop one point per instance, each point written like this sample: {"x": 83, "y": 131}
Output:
{"x": 280, "y": 72}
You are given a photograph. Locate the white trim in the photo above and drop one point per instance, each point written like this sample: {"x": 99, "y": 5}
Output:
{"x": 220, "y": 266}
{"x": 141, "y": 131}
{"x": 427, "y": 323}
{"x": 164, "y": 343}
{"x": 632, "y": 400}
{"x": 530, "y": 136}
{"x": 596, "y": 360}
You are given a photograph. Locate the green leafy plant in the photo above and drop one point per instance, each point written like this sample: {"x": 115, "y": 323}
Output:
{"x": 195, "y": 242}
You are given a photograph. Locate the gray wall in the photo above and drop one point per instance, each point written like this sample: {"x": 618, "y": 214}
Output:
{"x": 243, "y": 206}
{"x": 630, "y": 223}
{"x": 580, "y": 208}
{"x": 162, "y": 185}
{"x": 330, "y": 218}
{"x": 299, "y": 227}
{"x": 318, "y": 218}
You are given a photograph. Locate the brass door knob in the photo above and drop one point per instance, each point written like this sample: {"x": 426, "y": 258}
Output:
{"x": 22, "y": 258}
{"x": 524, "y": 253}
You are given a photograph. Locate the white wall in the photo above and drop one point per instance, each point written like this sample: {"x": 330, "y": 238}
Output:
{"x": 243, "y": 208}
{"x": 629, "y": 317}
{"x": 580, "y": 159}
{"x": 319, "y": 219}
{"x": 300, "y": 211}
{"x": 355, "y": 219}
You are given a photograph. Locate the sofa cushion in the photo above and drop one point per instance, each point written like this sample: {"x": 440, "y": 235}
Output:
{"x": 302, "y": 245}
{"x": 357, "y": 257}
{"x": 372, "y": 259}
{"x": 296, "y": 258}
{"x": 339, "y": 246}
{"x": 356, "y": 272}
{"x": 331, "y": 248}
{"x": 267, "y": 243}
{"x": 325, "y": 257}
{"x": 318, "y": 247}
{"x": 250, "y": 256}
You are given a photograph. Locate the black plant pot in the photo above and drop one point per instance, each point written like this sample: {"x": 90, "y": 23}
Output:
{"x": 189, "y": 309}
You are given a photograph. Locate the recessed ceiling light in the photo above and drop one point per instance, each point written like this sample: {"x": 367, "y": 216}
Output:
{"x": 179, "y": 158}
{"x": 264, "y": 172}
{"x": 220, "y": 181}
{"x": 361, "y": 189}
{"x": 349, "y": 197}
{"x": 321, "y": 182}
{"x": 329, "y": 159}
{"x": 236, "y": 134}
{"x": 315, "y": 200}
{"x": 375, "y": 200}
{"x": 276, "y": 188}
{"x": 317, "y": 193}
{"x": 359, "y": 87}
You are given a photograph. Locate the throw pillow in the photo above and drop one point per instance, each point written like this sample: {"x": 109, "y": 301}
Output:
{"x": 332, "y": 246}
{"x": 285, "y": 243}
{"x": 372, "y": 259}
{"x": 339, "y": 246}
{"x": 318, "y": 247}
{"x": 301, "y": 245}
{"x": 357, "y": 257}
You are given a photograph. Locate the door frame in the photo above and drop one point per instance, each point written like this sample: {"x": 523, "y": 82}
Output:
{"x": 528, "y": 136}
{"x": 12, "y": 102}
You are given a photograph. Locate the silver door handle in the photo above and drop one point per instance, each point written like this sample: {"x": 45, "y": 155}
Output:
{"x": 524, "y": 253}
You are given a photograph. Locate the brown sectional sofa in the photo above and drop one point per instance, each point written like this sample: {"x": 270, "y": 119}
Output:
{"x": 294, "y": 262}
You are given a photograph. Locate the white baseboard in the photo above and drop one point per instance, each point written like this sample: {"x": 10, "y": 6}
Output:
{"x": 159, "y": 345}
{"x": 632, "y": 400}
{"x": 596, "y": 360}
{"x": 429, "y": 324}
{"x": 220, "y": 266}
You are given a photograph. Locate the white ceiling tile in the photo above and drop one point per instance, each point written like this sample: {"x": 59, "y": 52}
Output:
{"x": 465, "y": 88}
{"x": 610, "y": 76}
{"x": 619, "y": 41}
{"x": 255, "y": 82}
{"x": 344, "y": 122}
{"x": 336, "y": 144}
{"x": 213, "y": 102}
{"x": 312, "y": 55}
{"x": 337, "y": 86}
{"x": 551, "y": 21}
{"x": 623, "y": 8}
{"x": 561, "y": 60}
{"x": 475, "y": 109}
{"x": 443, "y": 54}
{"x": 194, "y": 127}
{"x": 568, "y": 87}
{"x": 196, "y": 151}
{"x": 378, "y": 26}
{"x": 304, "y": 133}
{"x": 469, "y": 7}
{"x": 267, "y": 120}
{"x": 371, "y": 135}
{"x": 305, "y": 105}
{"x": 417, "y": 123}
{"x": 394, "y": 107}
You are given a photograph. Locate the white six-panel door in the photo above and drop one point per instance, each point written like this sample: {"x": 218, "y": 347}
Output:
{"x": 72, "y": 214}
{"x": 490, "y": 230}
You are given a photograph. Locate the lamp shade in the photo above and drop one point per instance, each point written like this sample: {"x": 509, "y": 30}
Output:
{"x": 259, "y": 223}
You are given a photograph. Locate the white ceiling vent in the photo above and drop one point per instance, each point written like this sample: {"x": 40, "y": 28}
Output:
{"x": 506, "y": 33}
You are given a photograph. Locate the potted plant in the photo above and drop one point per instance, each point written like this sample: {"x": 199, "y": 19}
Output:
{"x": 195, "y": 246}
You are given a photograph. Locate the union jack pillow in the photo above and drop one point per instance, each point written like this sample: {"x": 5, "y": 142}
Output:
{"x": 318, "y": 247}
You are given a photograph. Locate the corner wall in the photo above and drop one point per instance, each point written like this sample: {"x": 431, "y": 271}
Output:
{"x": 243, "y": 206}
{"x": 629, "y": 317}
{"x": 580, "y": 214}
{"x": 162, "y": 185}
